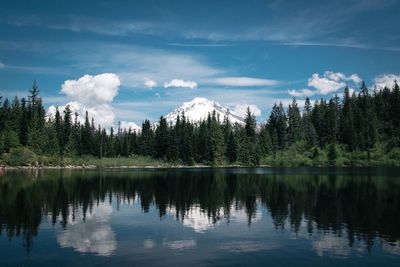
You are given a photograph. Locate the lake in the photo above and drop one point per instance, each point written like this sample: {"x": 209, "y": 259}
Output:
{"x": 201, "y": 217}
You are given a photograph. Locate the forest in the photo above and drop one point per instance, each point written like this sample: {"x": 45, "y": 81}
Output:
{"x": 360, "y": 129}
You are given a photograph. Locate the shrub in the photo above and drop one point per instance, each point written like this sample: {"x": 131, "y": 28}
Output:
{"x": 21, "y": 156}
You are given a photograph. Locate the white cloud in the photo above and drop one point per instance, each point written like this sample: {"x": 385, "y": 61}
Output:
{"x": 324, "y": 85}
{"x": 103, "y": 114}
{"x": 180, "y": 83}
{"x": 338, "y": 76}
{"x": 301, "y": 92}
{"x": 94, "y": 235}
{"x": 241, "y": 109}
{"x": 93, "y": 94}
{"x": 331, "y": 82}
{"x": 2, "y": 65}
{"x": 244, "y": 81}
{"x": 150, "y": 83}
{"x": 92, "y": 90}
{"x": 386, "y": 80}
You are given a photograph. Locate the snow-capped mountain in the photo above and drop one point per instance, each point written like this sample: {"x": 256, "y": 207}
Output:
{"x": 199, "y": 108}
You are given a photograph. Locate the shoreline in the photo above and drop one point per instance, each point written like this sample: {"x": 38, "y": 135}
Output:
{"x": 159, "y": 167}
{"x": 93, "y": 167}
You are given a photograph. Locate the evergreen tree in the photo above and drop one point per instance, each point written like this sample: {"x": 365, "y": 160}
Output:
{"x": 295, "y": 127}
{"x": 309, "y": 129}
{"x": 347, "y": 129}
{"x": 68, "y": 145}
{"x": 231, "y": 149}
{"x": 146, "y": 140}
{"x": 250, "y": 125}
{"x": 161, "y": 138}
{"x": 86, "y": 136}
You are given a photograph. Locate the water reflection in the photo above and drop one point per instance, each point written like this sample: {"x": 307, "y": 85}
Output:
{"x": 342, "y": 212}
{"x": 93, "y": 234}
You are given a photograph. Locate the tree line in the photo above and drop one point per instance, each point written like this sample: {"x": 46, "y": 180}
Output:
{"x": 354, "y": 123}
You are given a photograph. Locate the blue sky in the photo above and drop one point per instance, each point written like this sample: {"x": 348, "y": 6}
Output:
{"x": 142, "y": 59}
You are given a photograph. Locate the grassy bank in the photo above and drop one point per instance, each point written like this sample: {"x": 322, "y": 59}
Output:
{"x": 291, "y": 157}
{"x": 26, "y": 157}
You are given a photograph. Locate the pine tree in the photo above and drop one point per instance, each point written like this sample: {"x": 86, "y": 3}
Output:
{"x": 295, "y": 127}
{"x": 368, "y": 120}
{"x": 250, "y": 125}
{"x": 59, "y": 131}
{"x": 67, "y": 145}
{"x": 347, "y": 129}
{"x": 231, "y": 149}
{"x": 309, "y": 129}
{"x": 161, "y": 138}
{"x": 86, "y": 136}
{"x": 146, "y": 140}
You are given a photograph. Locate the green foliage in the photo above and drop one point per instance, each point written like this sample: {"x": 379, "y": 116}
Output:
{"x": 332, "y": 154}
{"x": 21, "y": 156}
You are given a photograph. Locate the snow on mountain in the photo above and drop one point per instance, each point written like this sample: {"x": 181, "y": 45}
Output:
{"x": 199, "y": 108}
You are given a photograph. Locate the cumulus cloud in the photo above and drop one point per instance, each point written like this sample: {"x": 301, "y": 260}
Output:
{"x": 241, "y": 109}
{"x": 338, "y": 76}
{"x": 94, "y": 235}
{"x": 244, "y": 81}
{"x": 91, "y": 93}
{"x": 180, "y": 83}
{"x": 150, "y": 83}
{"x": 386, "y": 80}
{"x": 301, "y": 92}
{"x": 331, "y": 82}
{"x": 103, "y": 114}
{"x": 324, "y": 85}
{"x": 92, "y": 90}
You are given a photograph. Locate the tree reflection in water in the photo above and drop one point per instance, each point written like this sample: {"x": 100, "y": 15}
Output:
{"x": 357, "y": 204}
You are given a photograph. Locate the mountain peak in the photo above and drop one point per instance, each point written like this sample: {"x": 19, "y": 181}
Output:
{"x": 198, "y": 109}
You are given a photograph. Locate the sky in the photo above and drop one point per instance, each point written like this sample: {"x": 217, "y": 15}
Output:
{"x": 131, "y": 60}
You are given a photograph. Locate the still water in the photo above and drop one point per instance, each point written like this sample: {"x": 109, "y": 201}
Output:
{"x": 201, "y": 217}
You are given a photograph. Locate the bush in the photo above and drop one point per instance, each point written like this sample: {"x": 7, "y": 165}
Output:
{"x": 21, "y": 156}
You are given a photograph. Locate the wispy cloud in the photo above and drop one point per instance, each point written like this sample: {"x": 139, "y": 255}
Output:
{"x": 136, "y": 64}
{"x": 86, "y": 24}
{"x": 300, "y": 93}
{"x": 35, "y": 69}
{"x": 200, "y": 44}
{"x": 243, "y": 81}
